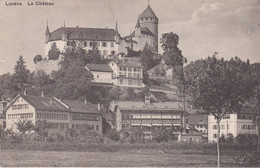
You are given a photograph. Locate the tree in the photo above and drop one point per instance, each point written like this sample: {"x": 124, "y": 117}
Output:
{"x": 218, "y": 87}
{"x": 172, "y": 53}
{"x": 37, "y": 58}
{"x": 7, "y": 88}
{"x": 24, "y": 125}
{"x": 146, "y": 57}
{"x": 21, "y": 73}
{"x": 54, "y": 52}
{"x": 94, "y": 54}
{"x": 42, "y": 127}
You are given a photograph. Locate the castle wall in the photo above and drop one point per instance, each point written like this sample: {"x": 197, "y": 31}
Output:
{"x": 47, "y": 66}
{"x": 143, "y": 40}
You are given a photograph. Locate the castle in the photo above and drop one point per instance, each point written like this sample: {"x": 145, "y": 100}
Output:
{"x": 109, "y": 41}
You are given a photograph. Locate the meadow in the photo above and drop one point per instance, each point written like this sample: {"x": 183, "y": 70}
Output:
{"x": 41, "y": 154}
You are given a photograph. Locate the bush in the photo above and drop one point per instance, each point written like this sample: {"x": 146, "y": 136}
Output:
{"x": 246, "y": 139}
{"x": 247, "y": 159}
{"x": 113, "y": 135}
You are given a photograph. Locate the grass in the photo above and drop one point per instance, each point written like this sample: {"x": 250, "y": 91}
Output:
{"x": 32, "y": 154}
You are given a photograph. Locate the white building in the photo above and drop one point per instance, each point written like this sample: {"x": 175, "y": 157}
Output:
{"x": 102, "y": 73}
{"x": 242, "y": 123}
{"x": 127, "y": 73}
{"x": 62, "y": 115}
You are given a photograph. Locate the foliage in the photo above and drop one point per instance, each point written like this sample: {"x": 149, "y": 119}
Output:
{"x": 54, "y": 52}
{"x": 132, "y": 53}
{"x": 42, "y": 127}
{"x": 172, "y": 53}
{"x": 246, "y": 139}
{"x": 21, "y": 73}
{"x": 113, "y": 135}
{"x": 94, "y": 55}
{"x": 247, "y": 159}
{"x": 162, "y": 135}
{"x": 147, "y": 57}
{"x": 37, "y": 58}
{"x": 8, "y": 90}
{"x": 24, "y": 125}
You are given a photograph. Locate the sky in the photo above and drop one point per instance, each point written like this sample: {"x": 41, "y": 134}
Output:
{"x": 229, "y": 27}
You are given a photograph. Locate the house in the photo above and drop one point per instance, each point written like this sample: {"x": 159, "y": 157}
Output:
{"x": 233, "y": 124}
{"x": 3, "y": 104}
{"x": 62, "y": 115}
{"x": 102, "y": 73}
{"x": 147, "y": 116}
{"x": 160, "y": 71}
{"x": 127, "y": 72}
{"x": 199, "y": 123}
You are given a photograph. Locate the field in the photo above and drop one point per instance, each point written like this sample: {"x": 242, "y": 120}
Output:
{"x": 116, "y": 155}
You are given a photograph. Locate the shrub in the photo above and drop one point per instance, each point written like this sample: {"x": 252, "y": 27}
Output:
{"x": 246, "y": 139}
{"x": 247, "y": 159}
{"x": 113, "y": 135}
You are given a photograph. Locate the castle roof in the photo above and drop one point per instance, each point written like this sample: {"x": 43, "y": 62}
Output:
{"x": 99, "y": 67}
{"x": 78, "y": 33}
{"x": 144, "y": 30}
{"x": 148, "y": 13}
{"x": 140, "y": 105}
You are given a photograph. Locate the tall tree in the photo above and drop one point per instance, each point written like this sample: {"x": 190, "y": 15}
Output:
{"x": 219, "y": 87}
{"x": 54, "y": 52}
{"x": 172, "y": 53}
{"x": 147, "y": 57}
{"x": 94, "y": 55}
{"x": 21, "y": 73}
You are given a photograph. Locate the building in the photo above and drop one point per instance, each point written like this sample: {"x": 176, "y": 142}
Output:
{"x": 235, "y": 123}
{"x": 109, "y": 41}
{"x": 127, "y": 72}
{"x": 62, "y": 115}
{"x": 3, "y": 104}
{"x": 102, "y": 73}
{"x": 160, "y": 71}
{"x": 147, "y": 116}
{"x": 199, "y": 123}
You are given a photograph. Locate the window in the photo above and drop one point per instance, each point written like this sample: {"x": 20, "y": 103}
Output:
{"x": 120, "y": 68}
{"x": 146, "y": 19}
{"x": 129, "y": 75}
{"x": 111, "y": 44}
{"x": 85, "y": 43}
{"x": 112, "y": 52}
{"x": 97, "y": 76}
{"x": 129, "y": 82}
{"x": 121, "y": 81}
{"x": 222, "y": 127}
{"x": 129, "y": 69}
{"x": 104, "y": 44}
{"x": 105, "y": 52}
{"x": 138, "y": 75}
{"x": 226, "y": 117}
{"x": 97, "y": 128}
{"x": 90, "y": 44}
{"x": 214, "y": 135}
{"x": 214, "y": 127}
{"x": 92, "y": 127}
{"x": 239, "y": 117}
{"x": 124, "y": 68}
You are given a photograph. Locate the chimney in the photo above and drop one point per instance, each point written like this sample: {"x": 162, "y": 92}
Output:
{"x": 85, "y": 101}
{"x": 42, "y": 94}
{"x": 99, "y": 106}
{"x": 24, "y": 92}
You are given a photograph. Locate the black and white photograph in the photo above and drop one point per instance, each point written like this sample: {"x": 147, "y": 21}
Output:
{"x": 120, "y": 83}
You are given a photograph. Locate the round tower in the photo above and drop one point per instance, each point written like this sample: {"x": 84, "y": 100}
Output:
{"x": 149, "y": 19}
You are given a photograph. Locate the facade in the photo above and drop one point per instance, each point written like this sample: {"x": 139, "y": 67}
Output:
{"x": 147, "y": 116}
{"x": 62, "y": 115}
{"x": 235, "y": 123}
{"x": 199, "y": 123}
{"x": 102, "y": 73}
{"x": 127, "y": 73}
{"x": 3, "y": 104}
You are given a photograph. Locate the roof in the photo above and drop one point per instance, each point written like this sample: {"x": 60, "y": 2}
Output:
{"x": 53, "y": 104}
{"x": 99, "y": 67}
{"x": 78, "y": 106}
{"x": 130, "y": 62}
{"x": 148, "y": 12}
{"x": 77, "y": 33}
{"x": 144, "y": 30}
{"x": 45, "y": 103}
{"x": 198, "y": 119}
{"x": 140, "y": 105}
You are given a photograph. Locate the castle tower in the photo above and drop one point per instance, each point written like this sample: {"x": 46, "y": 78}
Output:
{"x": 47, "y": 34}
{"x": 137, "y": 29}
{"x": 149, "y": 19}
{"x": 117, "y": 36}
{"x": 64, "y": 34}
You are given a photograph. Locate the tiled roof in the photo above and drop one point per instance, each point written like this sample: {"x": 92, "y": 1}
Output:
{"x": 140, "y": 105}
{"x": 44, "y": 103}
{"x": 198, "y": 119}
{"x": 77, "y": 106}
{"x": 99, "y": 67}
{"x": 78, "y": 33}
{"x": 148, "y": 12}
{"x": 130, "y": 62}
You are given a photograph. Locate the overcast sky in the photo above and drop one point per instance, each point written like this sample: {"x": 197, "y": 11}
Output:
{"x": 230, "y": 27}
